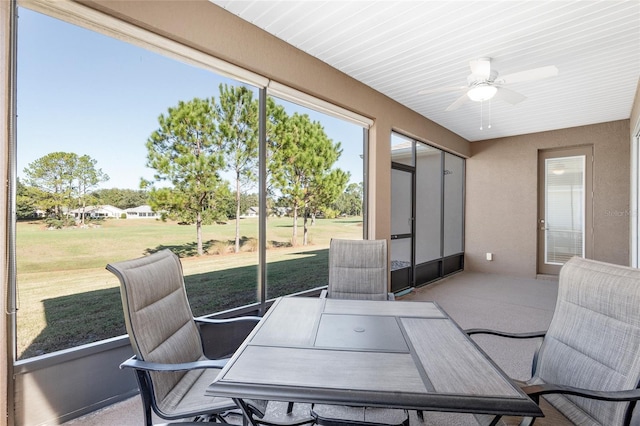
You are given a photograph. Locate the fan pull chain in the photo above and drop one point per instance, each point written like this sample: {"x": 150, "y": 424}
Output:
{"x": 481, "y": 122}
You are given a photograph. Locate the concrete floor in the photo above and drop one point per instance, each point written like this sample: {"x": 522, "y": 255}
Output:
{"x": 474, "y": 300}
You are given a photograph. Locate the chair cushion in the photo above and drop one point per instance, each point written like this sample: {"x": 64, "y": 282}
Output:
{"x": 593, "y": 340}
{"x": 358, "y": 269}
{"x": 158, "y": 317}
{"x": 187, "y": 395}
{"x": 162, "y": 329}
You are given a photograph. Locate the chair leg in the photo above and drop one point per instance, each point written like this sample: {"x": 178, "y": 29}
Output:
{"x": 290, "y": 408}
{"x": 145, "y": 391}
{"x": 420, "y": 415}
{"x": 147, "y": 413}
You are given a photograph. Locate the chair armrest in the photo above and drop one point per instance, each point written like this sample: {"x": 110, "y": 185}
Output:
{"x": 548, "y": 388}
{"x": 531, "y": 335}
{"x": 137, "y": 364}
{"x": 222, "y": 337}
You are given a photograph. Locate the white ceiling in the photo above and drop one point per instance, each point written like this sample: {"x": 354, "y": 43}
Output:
{"x": 402, "y": 47}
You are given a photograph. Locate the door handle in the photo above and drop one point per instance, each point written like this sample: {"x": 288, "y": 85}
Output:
{"x": 543, "y": 226}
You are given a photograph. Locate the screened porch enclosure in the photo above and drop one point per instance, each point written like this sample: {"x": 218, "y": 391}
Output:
{"x": 427, "y": 213}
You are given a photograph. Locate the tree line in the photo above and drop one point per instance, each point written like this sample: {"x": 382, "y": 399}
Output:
{"x": 197, "y": 144}
{"x": 32, "y": 199}
{"x": 57, "y": 180}
{"x": 200, "y": 140}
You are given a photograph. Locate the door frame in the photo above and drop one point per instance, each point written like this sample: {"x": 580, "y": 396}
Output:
{"x": 582, "y": 150}
{"x": 406, "y": 276}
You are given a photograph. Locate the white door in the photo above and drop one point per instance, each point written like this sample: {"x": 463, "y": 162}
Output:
{"x": 564, "y": 207}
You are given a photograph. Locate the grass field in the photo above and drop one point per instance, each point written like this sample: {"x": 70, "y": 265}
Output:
{"x": 67, "y": 298}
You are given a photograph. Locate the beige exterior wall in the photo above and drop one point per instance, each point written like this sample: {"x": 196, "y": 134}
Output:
{"x": 502, "y": 188}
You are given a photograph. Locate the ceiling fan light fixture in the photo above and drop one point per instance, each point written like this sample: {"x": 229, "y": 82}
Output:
{"x": 482, "y": 92}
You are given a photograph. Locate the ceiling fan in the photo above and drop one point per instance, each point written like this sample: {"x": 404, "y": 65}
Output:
{"x": 483, "y": 83}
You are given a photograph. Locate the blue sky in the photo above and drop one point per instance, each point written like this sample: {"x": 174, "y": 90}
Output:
{"x": 82, "y": 92}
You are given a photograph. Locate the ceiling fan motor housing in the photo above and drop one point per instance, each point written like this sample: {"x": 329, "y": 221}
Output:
{"x": 474, "y": 79}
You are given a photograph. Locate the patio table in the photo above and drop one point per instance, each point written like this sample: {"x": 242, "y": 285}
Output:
{"x": 393, "y": 354}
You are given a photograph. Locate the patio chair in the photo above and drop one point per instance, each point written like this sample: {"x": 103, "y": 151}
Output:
{"x": 358, "y": 270}
{"x": 169, "y": 360}
{"x": 587, "y": 369}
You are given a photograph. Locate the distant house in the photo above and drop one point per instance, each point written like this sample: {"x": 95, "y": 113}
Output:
{"x": 141, "y": 212}
{"x": 252, "y": 212}
{"x": 96, "y": 212}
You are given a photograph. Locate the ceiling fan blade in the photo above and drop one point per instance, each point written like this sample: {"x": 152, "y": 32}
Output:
{"x": 443, "y": 90}
{"x": 509, "y": 96}
{"x": 462, "y": 99}
{"x": 481, "y": 68}
{"x": 529, "y": 75}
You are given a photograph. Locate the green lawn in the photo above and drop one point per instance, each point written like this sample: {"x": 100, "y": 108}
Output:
{"x": 67, "y": 298}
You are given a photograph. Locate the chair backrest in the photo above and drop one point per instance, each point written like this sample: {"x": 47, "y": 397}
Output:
{"x": 358, "y": 269}
{"x": 593, "y": 340}
{"x": 158, "y": 317}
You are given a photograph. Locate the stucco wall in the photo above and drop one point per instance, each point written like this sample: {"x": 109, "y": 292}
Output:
{"x": 502, "y": 188}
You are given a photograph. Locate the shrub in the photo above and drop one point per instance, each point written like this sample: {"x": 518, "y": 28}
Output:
{"x": 250, "y": 245}
{"x": 56, "y": 223}
{"x": 219, "y": 247}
